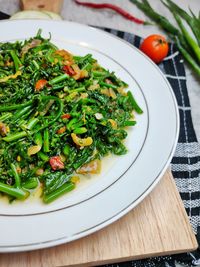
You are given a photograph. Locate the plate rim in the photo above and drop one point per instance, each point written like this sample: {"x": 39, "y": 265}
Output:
{"x": 143, "y": 195}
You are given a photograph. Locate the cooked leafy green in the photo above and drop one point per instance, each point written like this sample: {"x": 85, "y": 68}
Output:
{"x": 59, "y": 114}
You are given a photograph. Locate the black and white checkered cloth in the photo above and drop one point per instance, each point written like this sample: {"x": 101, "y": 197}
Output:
{"x": 185, "y": 164}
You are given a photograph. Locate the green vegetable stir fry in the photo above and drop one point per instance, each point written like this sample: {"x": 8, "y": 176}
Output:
{"x": 59, "y": 115}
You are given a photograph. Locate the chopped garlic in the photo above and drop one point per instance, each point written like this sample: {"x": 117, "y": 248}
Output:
{"x": 98, "y": 116}
{"x": 33, "y": 150}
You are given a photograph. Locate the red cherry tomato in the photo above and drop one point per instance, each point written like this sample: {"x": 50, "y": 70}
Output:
{"x": 56, "y": 163}
{"x": 156, "y": 47}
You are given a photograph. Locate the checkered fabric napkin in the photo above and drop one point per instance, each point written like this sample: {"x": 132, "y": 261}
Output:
{"x": 185, "y": 164}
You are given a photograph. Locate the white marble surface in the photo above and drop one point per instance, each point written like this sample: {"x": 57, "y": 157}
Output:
{"x": 108, "y": 18}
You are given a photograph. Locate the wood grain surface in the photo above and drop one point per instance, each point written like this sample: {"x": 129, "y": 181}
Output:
{"x": 49, "y": 5}
{"x": 157, "y": 226}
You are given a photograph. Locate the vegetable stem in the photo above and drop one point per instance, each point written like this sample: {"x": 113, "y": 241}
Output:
{"x": 31, "y": 183}
{"x": 46, "y": 140}
{"x": 14, "y": 192}
{"x": 134, "y": 103}
{"x": 161, "y": 20}
{"x": 80, "y": 130}
{"x": 16, "y": 176}
{"x": 188, "y": 57}
{"x": 55, "y": 117}
{"x": 187, "y": 36}
{"x": 21, "y": 112}
{"x": 59, "y": 79}
{"x": 32, "y": 122}
{"x": 38, "y": 139}
{"x": 5, "y": 117}
{"x": 43, "y": 157}
{"x": 192, "y": 21}
{"x": 16, "y": 60}
{"x": 16, "y": 136}
{"x": 189, "y": 48}
{"x": 108, "y": 85}
{"x": 67, "y": 187}
{"x": 36, "y": 65}
{"x": 15, "y": 106}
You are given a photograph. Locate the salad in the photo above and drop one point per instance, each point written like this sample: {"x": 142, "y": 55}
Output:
{"x": 59, "y": 115}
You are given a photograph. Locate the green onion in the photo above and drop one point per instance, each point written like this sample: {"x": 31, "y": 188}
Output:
{"x": 188, "y": 57}
{"x": 187, "y": 36}
{"x": 161, "y": 20}
{"x": 192, "y": 21}
{"x": 189, "y": 48}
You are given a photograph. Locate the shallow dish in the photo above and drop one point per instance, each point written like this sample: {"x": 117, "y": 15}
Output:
{"x": 124, "y": 180}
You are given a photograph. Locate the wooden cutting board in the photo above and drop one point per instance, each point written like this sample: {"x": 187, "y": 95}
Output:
{"x": 157, "y": 226}
{"x": 49, "y": 5}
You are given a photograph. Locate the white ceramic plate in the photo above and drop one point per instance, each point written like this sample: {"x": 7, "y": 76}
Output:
{"x": 125, "y": 180}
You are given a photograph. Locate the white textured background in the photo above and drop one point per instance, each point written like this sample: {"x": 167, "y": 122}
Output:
{"x": 108, "y": 18}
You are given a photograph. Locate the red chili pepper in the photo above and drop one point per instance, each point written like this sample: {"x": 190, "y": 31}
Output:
{"x": 61, "y": 130}
{"x": 40, "y": 84}
{"x": 66, "y": 116}
{"x": 113, "y": 7}
{"x": 56, "y": 163}
{"x": 68, "y": 69}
